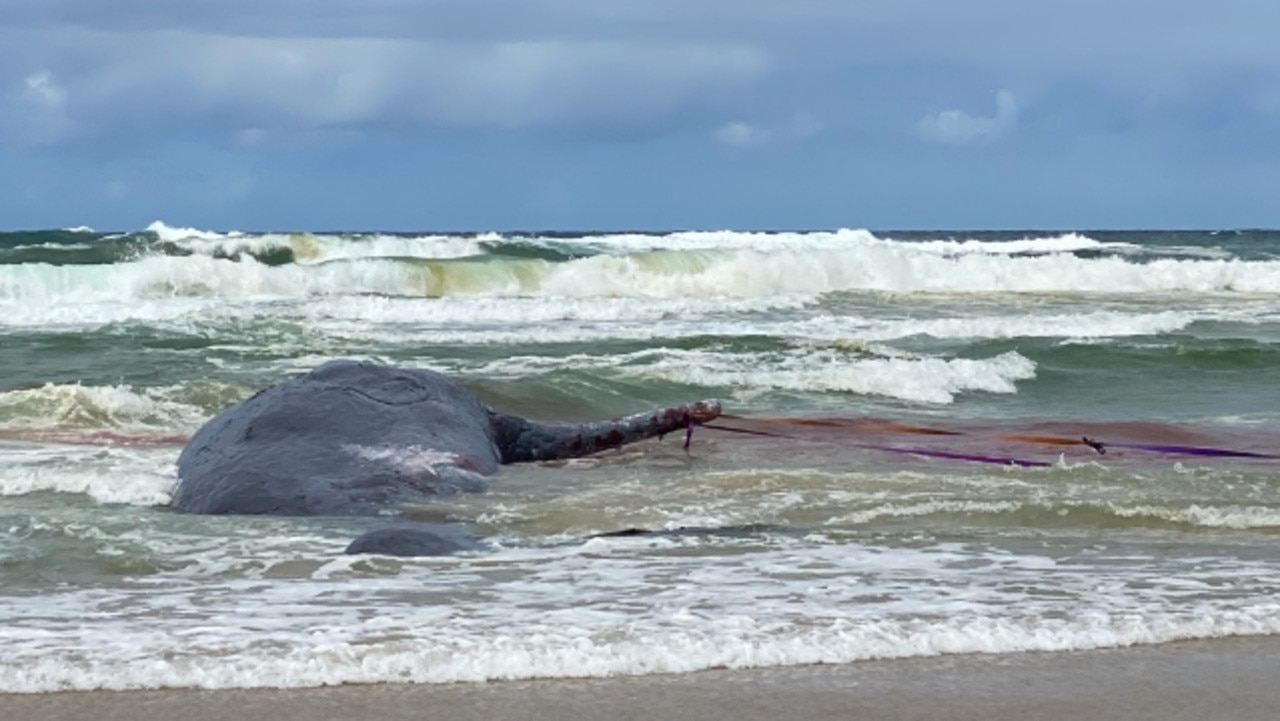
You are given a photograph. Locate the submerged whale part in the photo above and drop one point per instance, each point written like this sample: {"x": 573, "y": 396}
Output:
{"x": 421, "y": 539}
{"x": 360, "y": 439}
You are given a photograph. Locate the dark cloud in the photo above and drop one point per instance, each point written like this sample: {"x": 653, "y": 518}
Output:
{"x": 1147, "y": 48}
{"x": 331, "y": 82}
{"x": 925, "y": 82}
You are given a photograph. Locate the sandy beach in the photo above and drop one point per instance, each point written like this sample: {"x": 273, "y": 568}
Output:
{"x": 1224, "y": 680}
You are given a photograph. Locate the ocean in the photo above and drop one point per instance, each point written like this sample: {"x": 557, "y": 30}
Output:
{"x": 900, "y": 471}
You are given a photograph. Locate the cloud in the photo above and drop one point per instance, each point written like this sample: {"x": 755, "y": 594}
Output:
{"x": 741, "y": 135}
{"x": 147, "y": 89}
{"x": 35, "y": 111}
{"x": 323, "y": 82}
{"x": 621, "y": 65}
{"x": 42, "y": 91}
{"x": 960, "y": 128}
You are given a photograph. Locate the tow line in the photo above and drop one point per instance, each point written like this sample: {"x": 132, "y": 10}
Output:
{"x": 1099, "y": 446}
{"x": 972, "y": 457}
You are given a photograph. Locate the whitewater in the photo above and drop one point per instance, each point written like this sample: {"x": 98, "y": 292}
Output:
{"x": 850, "y": 527}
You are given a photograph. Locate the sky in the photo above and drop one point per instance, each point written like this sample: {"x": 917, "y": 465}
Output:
{"x": 493, "y": 115}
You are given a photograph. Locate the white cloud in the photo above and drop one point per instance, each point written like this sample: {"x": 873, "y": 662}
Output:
{"x": 36, "y": 114}
{"x": 300, "y": 83}
{"x": 960, "y": 128}
{"x": 741, "y": 135}
{"x": 41, "y": 90}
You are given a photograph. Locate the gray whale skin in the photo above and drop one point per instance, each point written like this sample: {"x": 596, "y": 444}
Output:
{"x": 357, "y": 438}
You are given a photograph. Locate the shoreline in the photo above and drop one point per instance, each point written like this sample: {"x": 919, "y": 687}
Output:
{"x": 1223, "y": 679}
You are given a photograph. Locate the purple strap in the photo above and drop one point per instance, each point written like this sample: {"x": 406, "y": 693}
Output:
{"x": 1192, "y": 450}
{"x": 1098, "y": 446}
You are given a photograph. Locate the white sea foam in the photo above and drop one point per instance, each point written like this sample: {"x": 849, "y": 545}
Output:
{"x": 134, "y": 476}
{"x": 1098, "y": 324}
{"x": 487, "y": 320}
{"x": 174, "y": 234}
{"x": 904, "y": 509}
{"x": 924, "y": 379}
{"x": 308, "y": 248}
{"x": 510, "y": 315}
{"x": 842, "y": 239}
{"x": 1232, "y": 516}
{"x": 319, "y": 247}
{"x": 595, "y": 612}
{"x": 45, "y": 294}
{"x": 895, "y": 268}
{"x": 550, "y": 320}
{"x": 917, "y": 379}
{"x": 1067, "y": 243}
{"x": 632, "y": 243}
{"x": 75, "y": 407}
{"x": 628, "y": 243}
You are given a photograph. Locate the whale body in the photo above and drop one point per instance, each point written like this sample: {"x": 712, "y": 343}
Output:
{"x": 354, "y": 438}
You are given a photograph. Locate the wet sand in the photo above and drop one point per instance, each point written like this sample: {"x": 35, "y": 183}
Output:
{"x": 1224, "y": 680}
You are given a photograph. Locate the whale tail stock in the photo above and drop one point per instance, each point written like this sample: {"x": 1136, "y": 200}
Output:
{"x": 521, "y": 440}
